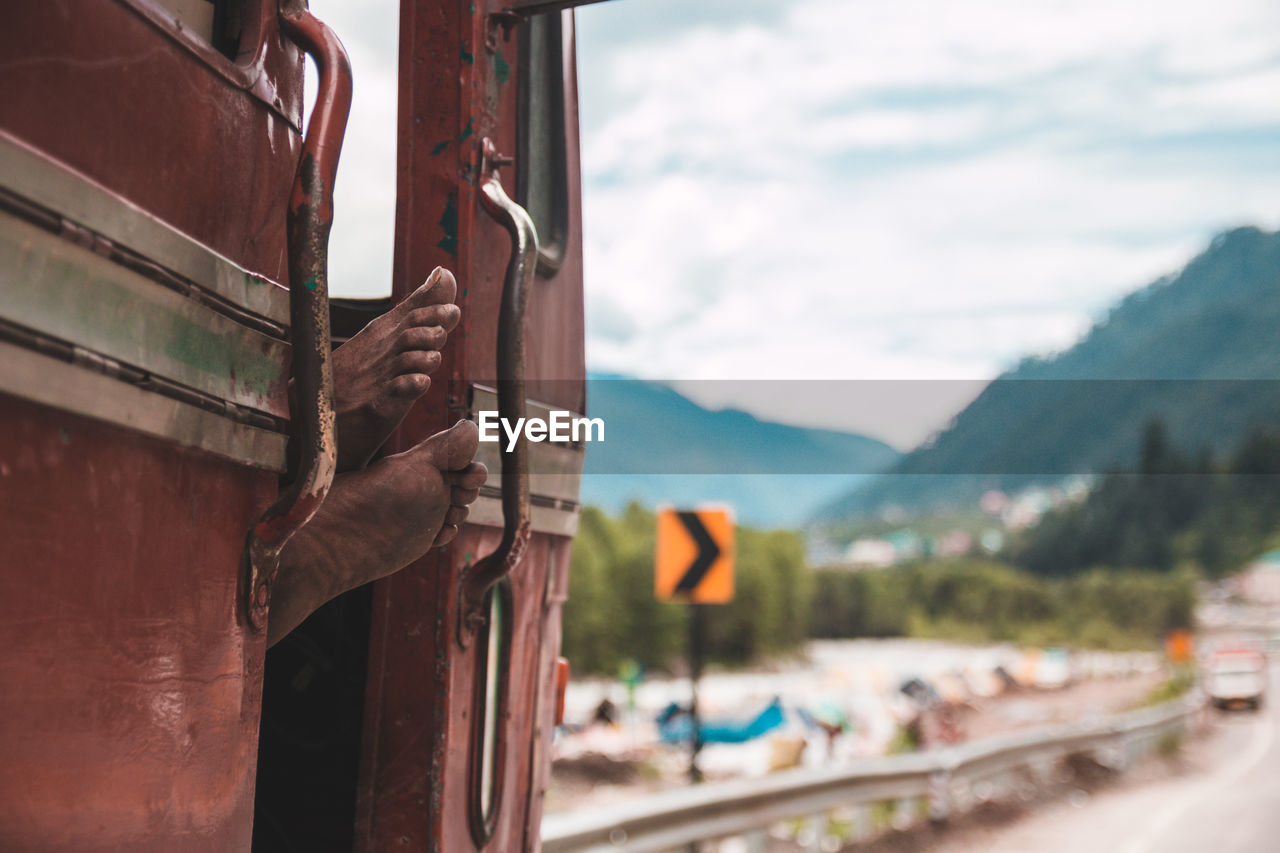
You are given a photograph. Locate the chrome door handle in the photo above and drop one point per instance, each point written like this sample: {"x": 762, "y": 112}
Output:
{"x": 480, "y": 577}
{"x": 310, "y": 218}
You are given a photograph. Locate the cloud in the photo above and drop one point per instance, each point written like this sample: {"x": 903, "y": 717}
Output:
{"x": 868, "y": 189}
{"x": 917, "y": 189}
{"x": 365, "y": 193}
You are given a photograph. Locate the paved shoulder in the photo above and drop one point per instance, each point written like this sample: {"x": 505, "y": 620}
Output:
{"x": 1225, "y": 799}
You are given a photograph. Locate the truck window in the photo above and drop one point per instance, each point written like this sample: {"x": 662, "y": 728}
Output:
{"x": 542, "y": 182}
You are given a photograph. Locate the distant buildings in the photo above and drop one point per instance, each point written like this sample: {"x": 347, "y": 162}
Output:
{"x": 878, "y": 552}
{"x": 1007, "y": 512}
{"x": 1027, "y": 507}
{"x": 1260, "y": 581}
{"x": 869, "y": 553}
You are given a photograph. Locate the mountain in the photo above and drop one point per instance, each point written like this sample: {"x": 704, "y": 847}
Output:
{"x": 661, "y": 447}
{"x": 1198, "y": 351}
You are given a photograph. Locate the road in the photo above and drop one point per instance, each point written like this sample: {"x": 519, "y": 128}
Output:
{"x": 1224, "y": 799}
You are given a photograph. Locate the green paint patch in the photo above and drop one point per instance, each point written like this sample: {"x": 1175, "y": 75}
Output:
{"x": 311, "y": 283}
{"x": 466, "y": 56}
{"x": 439, "y": 149}
{"x": 105, "y": 308}
{"x": 468, "y": 130}
{"x": 449, "y": 223}
{"x": 501, "y": 69}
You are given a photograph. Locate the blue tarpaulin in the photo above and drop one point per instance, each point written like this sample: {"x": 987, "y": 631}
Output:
{"x": 675, "y": 726}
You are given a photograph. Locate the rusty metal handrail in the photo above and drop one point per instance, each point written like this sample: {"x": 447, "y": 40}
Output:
{"x": 479, "y": 578}
{"x": 310, "y": 218}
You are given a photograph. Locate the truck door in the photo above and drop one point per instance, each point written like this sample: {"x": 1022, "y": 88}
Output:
{"x": 147, "y": 152}
{"x": 461, "y": 674}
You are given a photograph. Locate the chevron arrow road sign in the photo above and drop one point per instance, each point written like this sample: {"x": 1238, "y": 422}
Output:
{"x": 694, "y": 559}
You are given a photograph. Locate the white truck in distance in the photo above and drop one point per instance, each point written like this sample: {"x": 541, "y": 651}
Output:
{"x": 1236, "y": 678}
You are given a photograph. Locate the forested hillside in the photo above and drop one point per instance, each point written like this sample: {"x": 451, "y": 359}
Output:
{"x": 1172, "y": 512}
{"x": 1198, "y": 351}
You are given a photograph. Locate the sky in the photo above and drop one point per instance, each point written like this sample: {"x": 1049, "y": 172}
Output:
{"x": 862, "y": 189}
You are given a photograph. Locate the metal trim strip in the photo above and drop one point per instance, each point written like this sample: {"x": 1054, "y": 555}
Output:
{"x": 487, "y": 511}
{"x": 555, "y": 475}
{"x": 556, "y": 471}
{"x": 57, "y": 288}
{"x": 69, "y": 388}
{"x": 49, "y": 184}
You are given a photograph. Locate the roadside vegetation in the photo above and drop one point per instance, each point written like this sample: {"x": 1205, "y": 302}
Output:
{"x": 1117, "y": 571}
{"x": 780, "y": 602}
{"x": 1175, "y": 686}
{"x": 976, "y": 600}
{"x": 612, "y": 616}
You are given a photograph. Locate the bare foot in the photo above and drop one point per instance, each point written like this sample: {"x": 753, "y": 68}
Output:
{"x": 378, "y": 374}
{"x": 377, "y": 521}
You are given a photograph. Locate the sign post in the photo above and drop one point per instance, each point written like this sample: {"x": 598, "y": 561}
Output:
{"x": 694, "y": 564}
{"x": 697, "y": 633}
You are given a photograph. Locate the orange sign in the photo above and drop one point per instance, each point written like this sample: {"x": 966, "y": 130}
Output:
{"x": 694, "y": 558}
{"x": 1179, "y": 646}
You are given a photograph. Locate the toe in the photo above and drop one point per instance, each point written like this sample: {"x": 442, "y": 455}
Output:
{"x": 472, "y": 476}
{"x": 425, "y": 292}
{"x": 423, "y": 337}
{"x": 410, "y": 386}
{"x": 459, "y": 496}
{"x": 452, "y": 314}
{"x": 445, "y": 316}
{"x": 456, "y": 515}
{"x": 439, "y": 288}
{"x": 417, "y": 361}
{"x": 446, "y": 535}
{"x": 446, "y": 289}
{"x": 454, "y": 448}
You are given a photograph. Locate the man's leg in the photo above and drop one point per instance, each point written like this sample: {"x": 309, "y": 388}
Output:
{"x": 375, "y": 522}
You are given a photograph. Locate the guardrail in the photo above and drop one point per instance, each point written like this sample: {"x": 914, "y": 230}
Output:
{"x": 748, "y": 807}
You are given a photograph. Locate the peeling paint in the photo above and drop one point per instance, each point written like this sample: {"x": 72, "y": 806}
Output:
{"x": 468, "y": 130}
{"x": 449, "y": 222}
{"x": 501, "y": 69}
{"x": 467, "y": 57}
{"x": 439, "y": 149}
